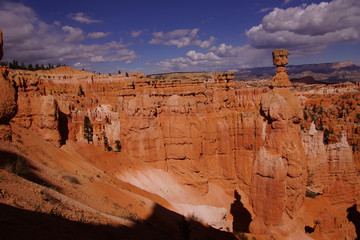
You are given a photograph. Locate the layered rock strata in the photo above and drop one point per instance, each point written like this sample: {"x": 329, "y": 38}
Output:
{"x": 37, "y": 111}
{"x": 277, "y": 189}
{"x": 205, "y": 130}
{"x": 8, "y": 106}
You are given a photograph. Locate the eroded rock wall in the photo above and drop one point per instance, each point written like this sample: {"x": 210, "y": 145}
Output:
{"x": 201, "y": 128}
{"x": 205, "y": 129}
{"x": 278, "y": 184}
{"x": 8, "y": 105}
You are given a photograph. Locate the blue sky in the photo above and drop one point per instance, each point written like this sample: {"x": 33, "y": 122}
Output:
{"x": 178, "y": 35}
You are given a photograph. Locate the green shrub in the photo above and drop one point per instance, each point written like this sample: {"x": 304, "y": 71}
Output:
{"x": 88, "y": 130}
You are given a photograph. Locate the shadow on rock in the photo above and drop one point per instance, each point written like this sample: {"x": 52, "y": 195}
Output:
{"x": 241, "y": 215}
{"x": 21, "y": 166}
{"x": 163, "y": 224}
{"x": 354, "y": 217}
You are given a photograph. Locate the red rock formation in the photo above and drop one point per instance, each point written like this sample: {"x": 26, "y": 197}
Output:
{"x": 202, "y": 129}
{"x": 8, "y": 106}
{"x": 281, "y": 79}
{"x": 332, "y": 174}
{"x": 36, "y": 111}
{"x": 277, "y": 189}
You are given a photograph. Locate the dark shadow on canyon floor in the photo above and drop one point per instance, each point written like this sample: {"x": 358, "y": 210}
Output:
{"x": 354, "y": 217}
{"x": 21, "y": 166}
{"x": 241, "y": 215}
{"x": 16, "y": 223}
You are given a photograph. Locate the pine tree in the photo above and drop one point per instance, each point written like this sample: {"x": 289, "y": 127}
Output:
{"x": 30, "y": 67}
{"x": 88, "y": 130}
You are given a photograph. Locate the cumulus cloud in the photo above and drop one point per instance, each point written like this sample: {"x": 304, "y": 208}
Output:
{"x": 308, "y": 29}
{"x": 28, "y": 39}
{"x": 181, "y": 38}
{"x": 95, "y": 35}
{"x": 136, "y": 34}
{"x": 81, "y": 17}
{"x": 222, "y": 57}
{"x": 74, "y": 34}
{"x": 304, "y": 30}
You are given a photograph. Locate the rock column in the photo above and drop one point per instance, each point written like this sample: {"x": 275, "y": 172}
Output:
{"x": 277, "y": 189}
{"x": 280, "y": 59}
{"x": 8, "y": 106}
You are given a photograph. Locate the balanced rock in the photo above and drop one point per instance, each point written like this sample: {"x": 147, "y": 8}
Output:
{"x": 280, "y": 59}
{"x": 277, "y": 191}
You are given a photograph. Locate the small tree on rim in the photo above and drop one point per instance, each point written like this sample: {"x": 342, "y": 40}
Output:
{"x": 88, "y": 130}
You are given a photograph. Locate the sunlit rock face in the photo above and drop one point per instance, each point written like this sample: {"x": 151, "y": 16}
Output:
{"x": 280, "y": 59}
{"x": 278, "y": 183}
{"x": 8, "y": 106}
{"x": 221, "y": 144}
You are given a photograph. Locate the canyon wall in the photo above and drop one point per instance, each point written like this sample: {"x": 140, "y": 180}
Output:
{"x": 8, "y": 105}
{"x": 204, "y": 128}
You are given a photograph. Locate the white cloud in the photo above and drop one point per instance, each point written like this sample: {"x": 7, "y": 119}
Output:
{"x": 308, "y": 29}
{"x": 83, "y": 65}
{"x": 30, "y": 40}
{"x": 181, "y": 38}
{"x": 264, "y": 10}
{"x": 136, "y": 34}
{"x": 81, "y": 17}
{"x": 304, "y": 30}
{"x": 287, "y": 2}
{"x": 95, "y": 35}
{"x": 208, "y": 43}
{"x": 219, "y": 58}
{"x": 74, "y": 34}
{"x": 194, "y": 56}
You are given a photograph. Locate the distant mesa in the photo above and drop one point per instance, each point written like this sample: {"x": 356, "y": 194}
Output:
{"x": 306, "y": 80}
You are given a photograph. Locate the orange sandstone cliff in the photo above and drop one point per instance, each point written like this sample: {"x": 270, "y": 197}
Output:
{"x": 236, "y": 157}
{"x": 8, "y": 106}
